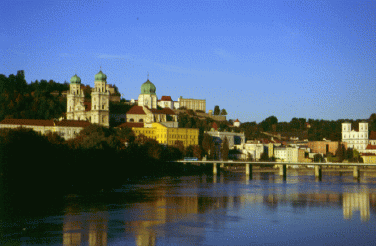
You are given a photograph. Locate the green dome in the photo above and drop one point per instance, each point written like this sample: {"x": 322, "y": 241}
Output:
{"x": 100, "y": 76}
{"x": 148, "y": 88}
{"x": 75, "y": 79}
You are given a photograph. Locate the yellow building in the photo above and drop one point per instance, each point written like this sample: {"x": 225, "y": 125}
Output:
{"x": 166, "y": 135}
{"x": 368, "y": 158}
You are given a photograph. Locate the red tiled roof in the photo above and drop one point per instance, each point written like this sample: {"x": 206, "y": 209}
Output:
{"x": 131, "y": 124}
{"x": 215, "y": 126}
{"x": 27, "y": 122}
{"x": 166, "y": 98}
{"x": 156, "y": 111}
{"x": 367, "y": 154}
{"x": 265, "y": 141}
{"x": 168, "y": 111}
{"x": 73, "y": 123}
{"x": 370, "y": 146}
{"x": 136, "y": 110}
{"x": 372, "y": 135}
{"x": 32, "y": 122}
{"x": 236, "y": 120}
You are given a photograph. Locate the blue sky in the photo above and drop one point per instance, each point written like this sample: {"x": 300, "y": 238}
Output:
{"x": 309, "y": 59}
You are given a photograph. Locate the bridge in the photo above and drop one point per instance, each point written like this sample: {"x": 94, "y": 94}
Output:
{"x": 283, "y": 166}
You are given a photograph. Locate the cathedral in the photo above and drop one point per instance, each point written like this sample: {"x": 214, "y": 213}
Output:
{"x": 97, "y": 111}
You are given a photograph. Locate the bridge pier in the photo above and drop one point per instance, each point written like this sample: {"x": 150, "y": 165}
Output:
{"x": 215, "y": 169}
{"x": 356, "y": 172}
{"x": 248, "y": 170}
{"x": 283, "y": 171}
{"x": 318, "y": 172}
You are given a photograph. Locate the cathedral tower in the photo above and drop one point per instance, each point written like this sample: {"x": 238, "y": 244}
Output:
{"x": 75, "y": 100}
{"x": 100, "y": 101}
{"x": 148, "y": 97}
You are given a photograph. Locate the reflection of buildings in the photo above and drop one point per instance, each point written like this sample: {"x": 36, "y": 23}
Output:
{"x": 85, "y": 228}
{"x": 356, "y": 202}
{"x": 170, "y": 213}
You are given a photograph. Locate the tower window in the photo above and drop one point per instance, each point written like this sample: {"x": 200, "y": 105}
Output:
{"x": 102, "y": 106}
{"x": 95, "y": 106}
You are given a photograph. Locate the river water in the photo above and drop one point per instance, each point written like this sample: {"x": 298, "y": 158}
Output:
{"x": 227, "y": 209}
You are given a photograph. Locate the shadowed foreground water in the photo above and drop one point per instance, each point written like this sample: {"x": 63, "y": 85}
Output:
{"x": 206, "y": 210}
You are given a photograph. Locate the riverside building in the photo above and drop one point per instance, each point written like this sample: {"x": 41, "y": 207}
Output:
{"x": 164, "y": 134}
{"x": 356, "y": 139}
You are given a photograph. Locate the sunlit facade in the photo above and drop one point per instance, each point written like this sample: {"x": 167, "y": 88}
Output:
{"x": 168, "y": 135}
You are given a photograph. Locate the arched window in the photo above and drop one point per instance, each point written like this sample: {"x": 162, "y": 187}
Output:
{"x": 103, "y": 106}
{"x": 95, "y": 106}
{"x": 141, "y": 120}
{"x": 131, "y": 120}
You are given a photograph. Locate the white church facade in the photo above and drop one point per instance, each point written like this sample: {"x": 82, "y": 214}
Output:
{"x": 97, "y": 111}
{"x": 356, "y": 139}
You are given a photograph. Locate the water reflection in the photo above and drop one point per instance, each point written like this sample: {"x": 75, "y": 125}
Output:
{"x": 90, "y": 227}
{"x": 356, "y": 202}
{"x": 186, "y": 210}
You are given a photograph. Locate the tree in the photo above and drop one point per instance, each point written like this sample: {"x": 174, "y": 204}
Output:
{"x": 268, "y": 123}
{"x": 318, "y": 158}
{"x": 223, "y": 112}
{"x": 180, "y": 146}
{"x": 340, "y": 152}
{"x": 189, "y": 151}
{"x": 213, "y": 152}
{"x": 349, "y": 154}
{"x": 197, "y": 152}
{"x": 216, "y": 110}
{"x": 264, "y": 156}
{"x": 225, "y": 149}
{"x": 207, "y": 142}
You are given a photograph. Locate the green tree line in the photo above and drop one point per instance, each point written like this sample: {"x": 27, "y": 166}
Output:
{"x": 20, "y": 100}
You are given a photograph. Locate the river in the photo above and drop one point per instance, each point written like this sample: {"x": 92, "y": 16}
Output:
{"x": 227, "y": 209}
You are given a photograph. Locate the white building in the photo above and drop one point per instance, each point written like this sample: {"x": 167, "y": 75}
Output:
{"x": 289, "y": 154}
{"x": 254, "y": 149}
{"x": 166, "y": 102}
{"x": 236, "y": 123}
{"x": 233, "y": 138}
{"x": 355, "y": 139}
{"x": 67, "y": 129}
